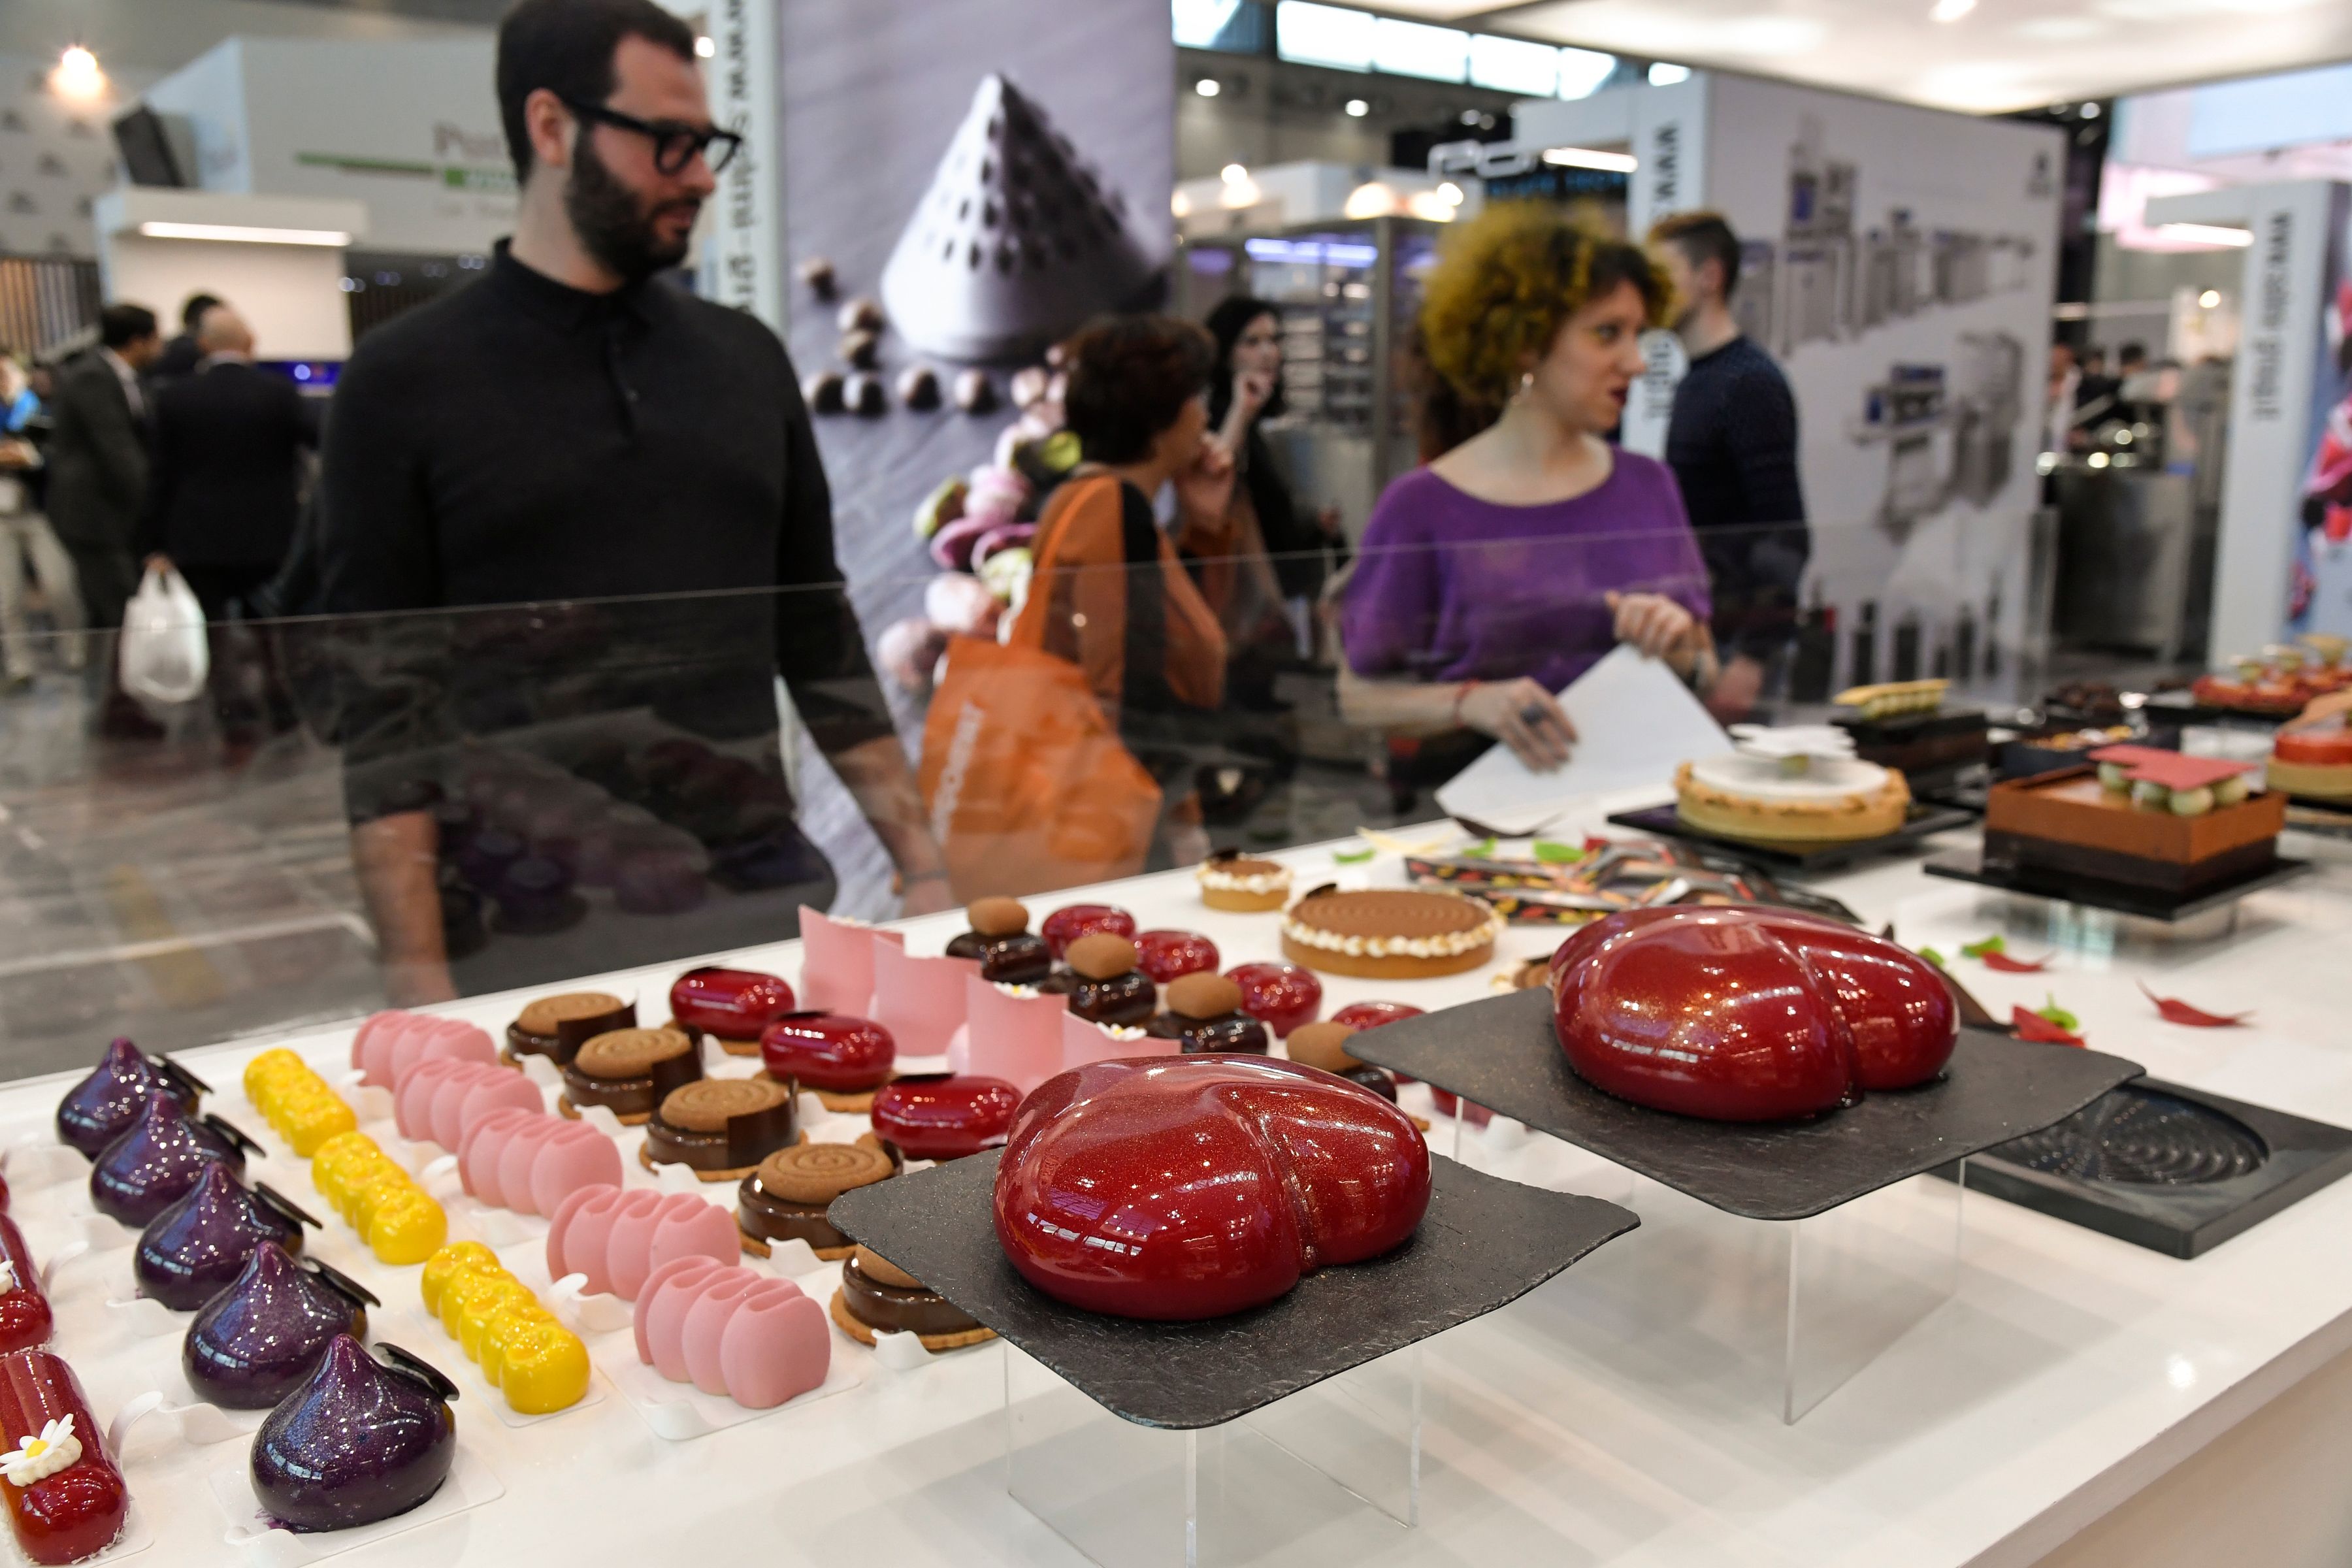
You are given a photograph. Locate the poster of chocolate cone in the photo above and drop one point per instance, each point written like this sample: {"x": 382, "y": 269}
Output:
{"x": 948, "y": 222}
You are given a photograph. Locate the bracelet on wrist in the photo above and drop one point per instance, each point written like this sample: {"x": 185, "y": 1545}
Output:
{"x": 1460, "y": 695}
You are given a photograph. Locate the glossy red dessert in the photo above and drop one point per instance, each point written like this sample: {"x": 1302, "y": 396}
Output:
{"x": 1744, "y": 1015}
{"x": 2314, "y": 748}
{"x": 24, "y": 1317}
{"x": 831, "y": 1051}
{"x": 1066, "y": 925}
{"x": 1102, "y": 1200}
{"x": 729, "y": 1003}
{"x": 940, "y": 1116}
{"x": 1372, "y": 1014}
{"x": 1167, "y": 955}
{"x": 76, "y": 1510}
{"x": 1280, "y": 995}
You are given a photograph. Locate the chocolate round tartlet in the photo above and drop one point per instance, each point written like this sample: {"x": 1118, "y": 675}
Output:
{"x": 628, "y": 1071}
{"x": 1000, "y": 939}
{"x": 786, "y": 1198}
{"x": 719, "y": 1127}
{"x": 876, "y": 1297}
{"x": 1241, "y": 883}
{"x": 1205, "y": 1011}
{"x": 1324, "y": 1045}
{"x": 556, "y": 1026}
{"x": 1389, "y": 933}
{"x": 1109, "y": 988}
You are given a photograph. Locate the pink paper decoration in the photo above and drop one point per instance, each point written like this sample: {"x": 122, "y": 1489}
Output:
{"x": 919, "y": 1000}
{"x": 1082, "y": 1042}
{"x": 837, "y": 963}
{"x": 1016, "y": 1038}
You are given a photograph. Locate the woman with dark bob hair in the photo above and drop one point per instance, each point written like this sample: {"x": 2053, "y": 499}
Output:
{"x": 1498, "y": 572}
{"x": 1110, "y": 594}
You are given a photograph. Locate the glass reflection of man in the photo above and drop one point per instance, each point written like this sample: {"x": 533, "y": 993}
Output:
{"x": 572, "y": 427}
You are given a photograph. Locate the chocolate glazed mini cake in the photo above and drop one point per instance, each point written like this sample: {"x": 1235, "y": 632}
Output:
{"x": 1324, "y": 1045}
{"x": 1205, "y": 1011}
{"x": 1109, "y": 989}
{"x": 719, "y": 1127}
{"x": 876, "y": 1297}
{"x": 629, "y": 1071}
{"x": 1008, "y": 951}
{"x": 557, "y": 1026}
{"x": 786, "y": 1198}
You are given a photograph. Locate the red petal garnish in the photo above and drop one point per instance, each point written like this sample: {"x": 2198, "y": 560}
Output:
{"x": 2176, "y": 1011}
{"x": 2001, "y": 963}
{"x": 2032, "y": 1025}
{"x": 1595, "y": 846}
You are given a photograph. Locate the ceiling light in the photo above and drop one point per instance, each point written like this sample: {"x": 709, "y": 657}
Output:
{"x": 1233, "y": 174}
{"x": 1450, "y": 194}
{"x": 245, "y": 234}
{"x": 2209, "y": 300}
{"x": 1668, "y": 76}
{"x": 1951, "y": 10}
{"x": 1208, "y": 87}
{"x": 2090, "y": 111}
{"x": 1358, "y": 108}
{"x": 2098, "y": 459}
{"x": 1587, "y": 158}
{"x": 2207, "y": 233}
{"x": 704, "y": 47}
{"x": 78, "y": 76}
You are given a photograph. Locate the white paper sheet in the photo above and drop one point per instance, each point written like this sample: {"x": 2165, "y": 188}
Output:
{"x": 1636, "y": 722}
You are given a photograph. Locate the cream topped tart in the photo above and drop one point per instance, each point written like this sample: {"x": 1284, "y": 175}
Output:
{"x": 1242, "y": 883}
{"x": 1389, "y": 933}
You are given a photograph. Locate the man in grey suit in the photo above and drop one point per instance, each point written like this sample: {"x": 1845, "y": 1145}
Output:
{"x": 98, "y": 459}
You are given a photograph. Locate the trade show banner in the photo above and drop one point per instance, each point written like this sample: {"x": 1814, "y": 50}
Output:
{"x": 965, "y": 183}
{"x": 1899, "y": 264}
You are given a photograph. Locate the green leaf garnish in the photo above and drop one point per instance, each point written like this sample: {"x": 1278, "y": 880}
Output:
{"x": 2059, "y": 1015}
{"x": 1352, "y": 857}
{"x": 1481, "y": 850}
{"x": 1994, "y": 944}
{"x": 1551, "y": 854}
{"x": 1932, "y": 956}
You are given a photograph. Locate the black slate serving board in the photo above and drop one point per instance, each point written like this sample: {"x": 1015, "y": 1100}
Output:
{"x": 1484, "y": 1243}
{"x": 1922, "y": 821}
{"x": 1502, "y": 1054}
{"x": 2169, "y": 1205}
{"x": 2097, "y": 893}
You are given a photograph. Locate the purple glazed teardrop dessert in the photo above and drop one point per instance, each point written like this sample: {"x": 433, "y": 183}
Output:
{"x": 196, "y": 1249}
{"x": 256, "y": 1341}
{"x": 157, "y": 1162}
{"x": 360, "y": 1441}
{"x": 101, "y": 1107}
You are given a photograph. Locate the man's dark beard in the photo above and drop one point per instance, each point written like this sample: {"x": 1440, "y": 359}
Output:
{"x": 613, "y": 227}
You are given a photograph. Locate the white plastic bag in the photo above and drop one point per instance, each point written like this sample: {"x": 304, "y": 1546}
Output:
{"x": 165, "y": 656}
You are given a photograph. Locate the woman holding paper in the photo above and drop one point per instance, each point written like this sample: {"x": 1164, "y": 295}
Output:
{"x": 1498, "y": 572}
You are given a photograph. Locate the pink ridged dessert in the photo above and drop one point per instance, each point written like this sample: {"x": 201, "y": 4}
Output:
{"x": 731, "y": 1333}
{"x": 442, "y": 1096}
{"x": 529, "y": 1161}
{"x": 618, "y": 1237}
{"x": 388, "y": 1044}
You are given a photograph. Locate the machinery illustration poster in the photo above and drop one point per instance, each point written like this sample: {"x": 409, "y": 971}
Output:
{"x": 1899, "y": 264}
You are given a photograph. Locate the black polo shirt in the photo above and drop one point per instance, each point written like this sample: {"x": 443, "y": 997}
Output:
{"x": 520, "y": 441}
{"x": 1732, "y": 444}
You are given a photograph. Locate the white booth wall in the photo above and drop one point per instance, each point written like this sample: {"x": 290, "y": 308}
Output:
{"x": 291, "y": 295}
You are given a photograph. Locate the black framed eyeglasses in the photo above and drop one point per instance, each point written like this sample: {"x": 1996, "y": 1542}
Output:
{"x": 674, "y": 143}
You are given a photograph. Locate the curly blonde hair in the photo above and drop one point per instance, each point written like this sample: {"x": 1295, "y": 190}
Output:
{"x": 1503, "y": 283}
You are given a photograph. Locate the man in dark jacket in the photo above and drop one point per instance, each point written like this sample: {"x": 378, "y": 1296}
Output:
{"x": 180, "y": 356}
{"x": 98, "y": 460}
{"x": 229, "y": 439}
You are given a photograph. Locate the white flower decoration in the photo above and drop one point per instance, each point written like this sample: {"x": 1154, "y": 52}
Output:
{"x": 37, "y": 1458}
{"x": 1018, "y": 992}
{"x": 1120, "y": 1031}
{"x": 8, "y": 1280}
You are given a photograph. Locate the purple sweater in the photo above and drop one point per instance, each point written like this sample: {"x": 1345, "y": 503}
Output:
{"x": 1450, "y": 587}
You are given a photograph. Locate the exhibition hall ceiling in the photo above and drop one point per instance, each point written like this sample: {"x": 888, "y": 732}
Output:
{"x": 1979, "y": 55}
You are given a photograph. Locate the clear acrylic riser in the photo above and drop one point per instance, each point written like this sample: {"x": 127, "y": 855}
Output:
{"x": 1333, "y": 1470}
{"x": 1779, "y": 1312}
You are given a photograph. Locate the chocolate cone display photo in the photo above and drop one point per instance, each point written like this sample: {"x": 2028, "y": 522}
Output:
{"x": 361, "y": 1440}
{"x": 255, "y": 1341}
{"x": 1016, "y": 244}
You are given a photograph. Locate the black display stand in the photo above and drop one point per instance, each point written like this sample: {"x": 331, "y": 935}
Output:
{"x": 1924, "y": 819}
{"x": 2122, "y": 898}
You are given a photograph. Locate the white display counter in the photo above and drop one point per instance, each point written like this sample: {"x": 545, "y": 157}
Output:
{"x": 2069, "y": 1372}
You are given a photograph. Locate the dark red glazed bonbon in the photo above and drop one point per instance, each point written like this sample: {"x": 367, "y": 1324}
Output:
{"x": 1280, "y": 995}
{"x": 1373, "y": 1014}
{"x": 1066, "y": 925}
{"x": 77, "y": 1513}
{"x": 1740, "y": 1015}
{"x": 25, "y": 1317}
{"x": 1167, "y": 955}
{"x": 831, "y": 1051}
{"x": 940, "y": 1116}
{"x": 1191, "y": 1187}
{"x": 729, "y": 1003}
